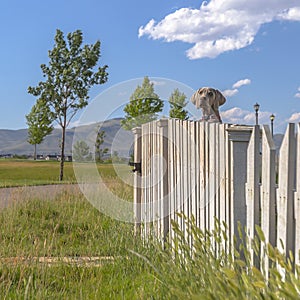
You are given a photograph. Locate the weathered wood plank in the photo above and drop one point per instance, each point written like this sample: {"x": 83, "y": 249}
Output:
{"x": 206, "y": 176}
{"x": 252, "y": 189}
{"x": 297, "y": 202}
{"x": 193, "y": 168}
{"x": 212, "y": 176}
{"x": 239, "y": 138}
{"x": 222, "y": 174}
{"x": 137, "y": 196}
{"x": 285, "y": 194}
{"x": 164, "y": 169}
{"x": 268, "y": 192}
{"x": 171, "y": 174}
{"x": 202, "y": 176}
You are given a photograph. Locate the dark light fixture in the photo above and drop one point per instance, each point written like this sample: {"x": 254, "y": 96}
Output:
{"x": 256, "y": 108}
{"x": 272, "y": 118}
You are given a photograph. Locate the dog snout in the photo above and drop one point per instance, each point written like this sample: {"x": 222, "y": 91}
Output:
{"x": 203, "y": 102}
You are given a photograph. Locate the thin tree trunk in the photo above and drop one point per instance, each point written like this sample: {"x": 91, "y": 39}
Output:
{"x": 34, "y": 154}
{"x": 63, "y": 138}
{"x": 62, "y": 153}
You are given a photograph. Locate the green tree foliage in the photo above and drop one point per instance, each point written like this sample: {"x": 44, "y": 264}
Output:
{"x": 143, "y": 107}
{"x": 68, "y": 78}
{"x": 177, "y": 102}
{"x": 99, "y": 152}
{"x": 39, "y": 122}
{"x": 81, "y": 152}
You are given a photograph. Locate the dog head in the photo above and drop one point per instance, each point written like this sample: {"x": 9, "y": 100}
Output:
{"x": 208, "y": 99}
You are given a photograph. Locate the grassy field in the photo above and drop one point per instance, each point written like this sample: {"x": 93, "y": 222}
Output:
{"x": 43, "y": 244}
{"x": 28, "y": 172}
{"x": 69, "y": 227}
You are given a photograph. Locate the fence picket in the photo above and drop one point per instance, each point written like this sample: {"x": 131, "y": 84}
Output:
{"x": 285, "y": 195}
{"x": 202, "y": 162}
{"x": 268, "y": 192}
{"x": 297, "y": 201}
{"x": 252, "y": 189}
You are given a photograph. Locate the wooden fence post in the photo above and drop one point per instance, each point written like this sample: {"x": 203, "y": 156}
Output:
{"x": 202, "y": 174}
{"x": 285, "y": 193}
{"x": 164, "y": 195}
{"x": 239, "y": 137}
{"x": 252, "y": 188}
{"x": 137, "y": 180}
{"x": 268, "y": 194}
{"x": 297, "y": 202}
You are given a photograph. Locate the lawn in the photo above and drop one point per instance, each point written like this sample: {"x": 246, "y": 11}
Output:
{"x": 46, "y": 245}
{"x": 69, "y": 227}
{"x": 34, "y": 233}
{"x": 28, "y": 172}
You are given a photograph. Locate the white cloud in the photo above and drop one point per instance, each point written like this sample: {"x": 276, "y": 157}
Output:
{"x": 297, "y": 95}
{"x": 230, "y": 93}
{"x": 235, "y": 86}
{"x": 219, "y": 26}
{"x": 292, "y": 14}
{"x": 241, "y": 83}
{"x": 237, "y": 115}
{"x": 294, "y": 118}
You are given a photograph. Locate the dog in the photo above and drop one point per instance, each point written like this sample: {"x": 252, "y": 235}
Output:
{"x": 209, "y": 100}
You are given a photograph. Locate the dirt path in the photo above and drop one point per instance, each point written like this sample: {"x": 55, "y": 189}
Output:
{"x": 10, "y": 196}
{"x": 85, "y": 261}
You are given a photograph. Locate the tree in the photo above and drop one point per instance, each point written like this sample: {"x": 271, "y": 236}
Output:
{"x": 39, "y": 122}
{"x": 177, "y": 102}
{"x": 99, "y": 152}
{"x": 143, "y": 106}
{"x": 81, "y": 152}
{"x": 69, "y": 77}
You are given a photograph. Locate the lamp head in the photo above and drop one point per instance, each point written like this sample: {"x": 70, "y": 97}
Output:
{"x": 256, "y": 107}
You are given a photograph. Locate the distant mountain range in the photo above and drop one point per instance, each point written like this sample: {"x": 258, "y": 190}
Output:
{"x": 15, "y": 141}
{"x": 116, "y": 139}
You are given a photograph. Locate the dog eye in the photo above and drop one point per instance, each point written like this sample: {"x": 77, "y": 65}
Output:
{"x": 210, "y": 94}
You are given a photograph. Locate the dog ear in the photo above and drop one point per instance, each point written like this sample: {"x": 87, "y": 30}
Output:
{"x": 195, "y": 99}
{"x": 220, "y": 99}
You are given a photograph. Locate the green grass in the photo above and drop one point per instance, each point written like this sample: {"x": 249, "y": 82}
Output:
{"x": 25, "y": 172}
{"x": 70, "y": 227}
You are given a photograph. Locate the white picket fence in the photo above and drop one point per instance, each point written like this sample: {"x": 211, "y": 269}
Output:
{"x": 218, "y": 171}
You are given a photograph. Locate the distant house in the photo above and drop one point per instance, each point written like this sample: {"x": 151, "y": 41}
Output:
{"x": 7, "y": 155}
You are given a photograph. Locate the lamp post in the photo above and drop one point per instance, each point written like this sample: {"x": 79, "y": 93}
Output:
{"x": 256, "y": 108}
{"x": 272, "y": 117}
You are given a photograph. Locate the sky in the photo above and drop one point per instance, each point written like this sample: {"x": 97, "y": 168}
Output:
{"x": 249, "y": 50}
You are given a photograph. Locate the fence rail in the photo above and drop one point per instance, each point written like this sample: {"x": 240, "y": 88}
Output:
{"x": 222, "y": 171}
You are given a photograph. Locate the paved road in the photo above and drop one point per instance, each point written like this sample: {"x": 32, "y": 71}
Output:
{"x": 10, "y": 196}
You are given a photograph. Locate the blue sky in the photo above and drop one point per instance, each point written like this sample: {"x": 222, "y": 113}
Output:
{"x": 249, "y": 50}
